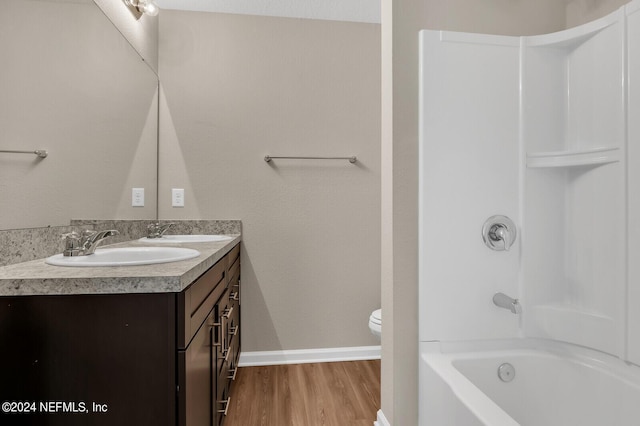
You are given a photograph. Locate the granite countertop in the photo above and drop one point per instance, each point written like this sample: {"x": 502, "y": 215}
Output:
{"x": 38, "y": 278}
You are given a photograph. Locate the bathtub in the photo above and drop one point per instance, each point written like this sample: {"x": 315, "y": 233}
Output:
{"x": 554, "y": 384}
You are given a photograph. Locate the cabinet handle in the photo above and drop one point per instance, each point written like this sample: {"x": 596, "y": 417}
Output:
{"x": 234, "y": 330}
{"x": 232, "y": 373}
{"x": 223, "y": 338}
{"x": 221, "y": 330}
{"x": 227, "y": 312}
{"x": 216, "y": 326}
{"x": 234, "y": 296}
{"x": 226, "y": 406}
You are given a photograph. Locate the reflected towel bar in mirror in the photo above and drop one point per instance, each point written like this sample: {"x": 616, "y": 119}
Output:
{"x": 351, "y": 159}
{"x": 39, "y": 152}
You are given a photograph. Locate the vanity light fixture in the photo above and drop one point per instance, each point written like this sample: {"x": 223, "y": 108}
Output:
{"x": 138, "y": 7}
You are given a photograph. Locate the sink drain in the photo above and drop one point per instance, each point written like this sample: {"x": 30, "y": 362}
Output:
{"x": 506, "y": 372}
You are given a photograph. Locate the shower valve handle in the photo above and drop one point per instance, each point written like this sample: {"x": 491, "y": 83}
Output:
{"x": 499, "y": 233}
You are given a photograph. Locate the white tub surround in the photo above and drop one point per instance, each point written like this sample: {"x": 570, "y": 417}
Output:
{"x": 469, "y": 172}
{"x": 539, "y": 129}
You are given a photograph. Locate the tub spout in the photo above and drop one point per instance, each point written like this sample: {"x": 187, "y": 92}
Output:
{"x": 503, "y": 301}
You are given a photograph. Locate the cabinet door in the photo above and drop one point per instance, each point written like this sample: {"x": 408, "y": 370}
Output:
{"x": 115, "y": 353}
{"x": 198, "y": 378}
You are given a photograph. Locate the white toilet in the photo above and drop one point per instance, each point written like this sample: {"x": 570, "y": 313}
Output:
{"x": 375, "y": 322}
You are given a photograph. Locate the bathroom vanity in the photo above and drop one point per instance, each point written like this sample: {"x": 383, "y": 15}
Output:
{"x": 139, "y": 345}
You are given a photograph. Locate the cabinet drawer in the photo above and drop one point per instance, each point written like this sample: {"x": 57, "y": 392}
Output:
{"x": 234, "y": 272}
{"x": 223, "y": 386}
{"x": 233, "y": 275}
{"x": 233, "y": 261}
{"x": 233, "y": 328}
{"x": 195, "y": 303}
{"x": 234, "y": 356}
{"x": 223, "y": 316}
{"x": 234, "y": 287}
{"x": 221, "y": 404}
{"x": 226, "y": 376}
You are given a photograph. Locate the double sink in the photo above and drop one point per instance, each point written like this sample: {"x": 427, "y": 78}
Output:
{"x": 130, "y": 256}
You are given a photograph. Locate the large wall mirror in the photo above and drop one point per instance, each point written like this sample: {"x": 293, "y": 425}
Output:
{"x": 71, "y": 84}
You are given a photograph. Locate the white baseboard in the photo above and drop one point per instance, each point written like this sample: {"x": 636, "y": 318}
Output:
{"x": 382, "y": 420}
{"x": 302, "y": 356}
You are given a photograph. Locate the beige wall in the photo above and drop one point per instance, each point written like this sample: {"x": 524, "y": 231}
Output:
{"x": 583, "y": 11}
{"x": 505, "y": 17}
{"x": 237, "y": 87}
{"x": 401, "y": 21}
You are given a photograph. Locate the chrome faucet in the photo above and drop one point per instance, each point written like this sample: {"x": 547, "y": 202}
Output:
{"x": 155, "y": 230}
{"x": 503, "y": 301}
{"x": 84, "y": 244}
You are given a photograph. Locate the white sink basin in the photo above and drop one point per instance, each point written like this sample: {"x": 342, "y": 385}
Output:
{"x": 178, "y": 239}
{"x": 125, "y": 256}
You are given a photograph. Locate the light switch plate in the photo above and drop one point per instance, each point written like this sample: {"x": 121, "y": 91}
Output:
{"x": 177, "y": 197}
{"x": 137, "y": 197}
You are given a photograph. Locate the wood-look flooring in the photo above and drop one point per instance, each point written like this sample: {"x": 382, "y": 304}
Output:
{"x": 327, "y": 394}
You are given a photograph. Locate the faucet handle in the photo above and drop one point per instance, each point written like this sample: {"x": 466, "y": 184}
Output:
{"x": 499, "y": 233}
{"x": 70, "y": 236}
{"x": 156, "y": 230}
{"x": 153, "y": 230}
{"x": 72, "y": 243}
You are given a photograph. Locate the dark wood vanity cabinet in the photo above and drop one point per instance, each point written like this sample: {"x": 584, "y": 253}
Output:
{"x": 209, "y": 340}
{"x": 123, "y": 359}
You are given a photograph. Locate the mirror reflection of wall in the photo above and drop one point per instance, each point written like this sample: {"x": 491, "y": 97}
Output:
{"x": 73, "y": 85}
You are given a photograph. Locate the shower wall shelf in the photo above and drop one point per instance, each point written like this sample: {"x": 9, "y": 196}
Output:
{"x": 573, "y": 158}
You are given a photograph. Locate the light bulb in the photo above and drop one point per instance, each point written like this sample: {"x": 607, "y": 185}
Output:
{"x": 150, "y": 8}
